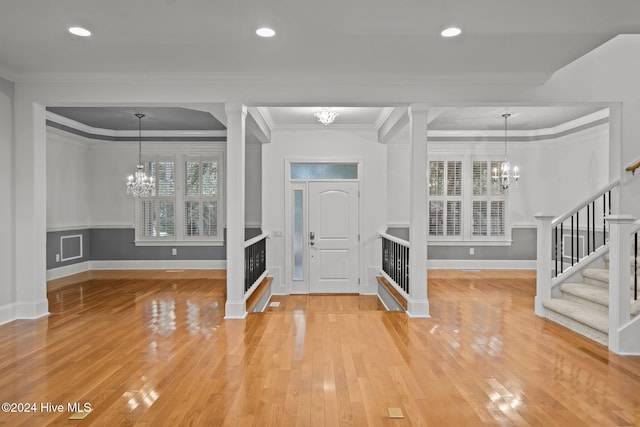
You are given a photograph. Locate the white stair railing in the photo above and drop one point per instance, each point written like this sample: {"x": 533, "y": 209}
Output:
{"x": 623, "y": 331}
{"x": 567, "y": 243}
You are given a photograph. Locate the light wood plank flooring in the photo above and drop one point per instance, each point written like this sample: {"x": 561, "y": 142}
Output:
{"x": 152, "y": 349}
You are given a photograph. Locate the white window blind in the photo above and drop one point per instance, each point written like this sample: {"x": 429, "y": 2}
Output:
{"x": 201, "y": 197}
{"x": 464, "y": 204}
{"x": 157, "y": 212}
{"x": 186, "y": 205}
{"x": 488, "y": 201}
{"x": 445, "y": 206}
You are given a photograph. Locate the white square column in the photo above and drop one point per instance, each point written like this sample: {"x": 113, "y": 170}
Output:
{"x": 418, "y": 305}
{"x": 235, "y": 307}
{"x": 30, "y": 168}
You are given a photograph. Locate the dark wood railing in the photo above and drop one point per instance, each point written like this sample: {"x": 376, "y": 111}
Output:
{"x": 583, "y": 230}
{"x": 255, "y": 261}
{"x": 395, "y": 261}
{"x": 632, "y": 168}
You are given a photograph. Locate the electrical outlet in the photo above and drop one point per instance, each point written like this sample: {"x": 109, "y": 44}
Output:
{"x": 472, "y": 251}
{"x": 174, "y": 251}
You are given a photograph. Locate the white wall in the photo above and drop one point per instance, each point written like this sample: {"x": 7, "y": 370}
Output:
{"x": 68, "y": 181}
{"x": 556, "y": 174}
{"x": 110, "y": 163}
{"x": 324, "y": 144}
{"x": 7, "y": 204}
{"x": 610, "y": 74}
{"x": 86, "y": 180}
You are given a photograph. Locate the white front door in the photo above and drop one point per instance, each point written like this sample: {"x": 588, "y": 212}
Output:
{"x": 333, "y": 237}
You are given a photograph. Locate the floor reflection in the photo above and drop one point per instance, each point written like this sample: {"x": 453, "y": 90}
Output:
{"x": 486, "y": 328}
{"x": 161, "y": 316}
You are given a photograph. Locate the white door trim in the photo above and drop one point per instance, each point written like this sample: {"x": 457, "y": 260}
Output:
{"x": 296, "y": 287}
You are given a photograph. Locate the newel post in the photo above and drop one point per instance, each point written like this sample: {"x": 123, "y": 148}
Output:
{"x": 544, "y": 258}
{"x": 619, "y": 276}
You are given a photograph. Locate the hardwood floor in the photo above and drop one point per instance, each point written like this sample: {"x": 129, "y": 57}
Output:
{"x": 152, "y": 349}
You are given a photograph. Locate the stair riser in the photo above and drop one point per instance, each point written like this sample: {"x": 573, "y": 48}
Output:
{"x": 605, "y": 285}
{"x": 606, "y": 266}
{"x": 596, "y": 282}
{"x": 585, "y": 302}
{"x": 577, "y": 327}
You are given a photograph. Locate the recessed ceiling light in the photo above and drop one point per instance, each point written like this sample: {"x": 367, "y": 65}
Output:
{"x": 79, "y": 31}
{"x": 265, "y": 32}
{"x": 451, "y": 32}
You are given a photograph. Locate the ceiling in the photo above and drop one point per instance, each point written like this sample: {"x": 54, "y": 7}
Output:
{"x": 356, "y": 38}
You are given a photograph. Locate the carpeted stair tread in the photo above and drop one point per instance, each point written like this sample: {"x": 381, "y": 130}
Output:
{"x": 635, "y": 308}
{"x": 599, "y": 274}
{"x": 580, "y": 313}
{"x": 595, "y": 294}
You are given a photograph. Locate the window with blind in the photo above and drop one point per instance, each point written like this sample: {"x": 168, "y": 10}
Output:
{"x": 201, "y": 207}
{"x": 488, "y": 201}
{"x": 186, "y": 205}
{"x": 156, "y": 219}
{"x": 445, "y": 198}
{"x": 464, "y": 204}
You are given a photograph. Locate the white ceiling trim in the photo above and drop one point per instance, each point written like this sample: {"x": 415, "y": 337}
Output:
{"x": 320, "y": 126}
{"x": 394, "y": 123}
{"x": 384, "y": 115}
{"x": 133, "y": 133}
{"x": 561, "y": 128}
{"x": 258, "y": 126}
{"x": 253, "y": 78}
{"x": 266, "y": 115}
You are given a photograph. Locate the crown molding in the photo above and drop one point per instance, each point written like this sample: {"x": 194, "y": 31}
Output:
{"x": 384, "y": 115}
{"x": 7, "y": 74}
{"x": 99, "y": 133}
{"x": 290, "y": 78}
{"x": 320, "y": 127}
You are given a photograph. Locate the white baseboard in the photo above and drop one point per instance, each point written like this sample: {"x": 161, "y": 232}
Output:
{"x": 159, "y": 265}
{"x": 481, "y": 264}
{"x": 32, "y": 310}
{"x": 68, "y": 270}
{"x": 237, "y": 310}
{"x": 7, "y": 313}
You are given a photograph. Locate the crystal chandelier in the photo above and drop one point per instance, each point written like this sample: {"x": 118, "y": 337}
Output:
{"x": 507, "y": 176}
{"x": 326, "y": 116}
{"x": 140, "y": 185}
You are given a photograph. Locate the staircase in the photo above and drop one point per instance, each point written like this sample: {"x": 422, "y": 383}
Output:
{"x": 584, "y": 307}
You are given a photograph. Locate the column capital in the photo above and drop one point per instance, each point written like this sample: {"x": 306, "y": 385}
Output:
{"x": 235, "y": 108}
{"x": 542, "y": 216}
{"x": 620, "y": 219}
{"x": 419, "y": 107}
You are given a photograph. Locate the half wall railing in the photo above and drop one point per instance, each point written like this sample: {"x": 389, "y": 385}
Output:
{"x": 395, "y": 262}
{"x": 255, "y": 262}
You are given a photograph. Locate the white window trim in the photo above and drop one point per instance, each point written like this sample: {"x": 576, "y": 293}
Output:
{"x": 208, "y": 149}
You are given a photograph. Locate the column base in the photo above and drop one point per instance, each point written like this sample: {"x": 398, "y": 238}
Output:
{"x": 418, "y": 309}
{"x": 538, "y": 307}
{"x": 32, "y": 310}
{"x": 235, "y": 310}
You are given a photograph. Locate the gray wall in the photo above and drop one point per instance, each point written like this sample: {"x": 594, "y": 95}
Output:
{"x": 117, "y": 244}
{"x": 54, "y": 248}
{"x": 522, "y": 248}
